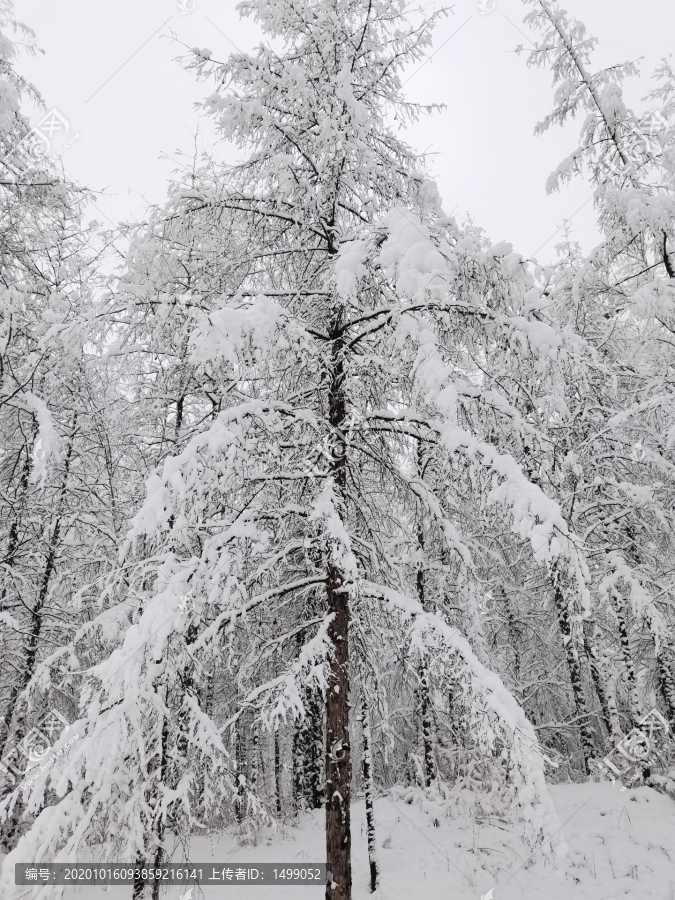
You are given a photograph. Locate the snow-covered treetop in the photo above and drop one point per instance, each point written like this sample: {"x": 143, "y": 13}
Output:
{"x": 312, "y": 116}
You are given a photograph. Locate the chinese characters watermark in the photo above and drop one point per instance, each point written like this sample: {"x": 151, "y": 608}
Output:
{"x": 325, "y": 450}
{"x": 35, "y": 747}
{"x": 635, "y": 144}
{"x": 36, "y": 147}
{"x": 634, "y": 752}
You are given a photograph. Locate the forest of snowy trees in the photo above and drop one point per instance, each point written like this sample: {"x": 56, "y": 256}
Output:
{"x": 319, "y": 493}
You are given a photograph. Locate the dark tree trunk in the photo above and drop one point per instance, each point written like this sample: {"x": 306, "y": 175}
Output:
{"x": 255, "y": 753}
{"x": 277, "y": 772}
{"x": 338, "y": 755}
{"x": 240, "y": 796}
{"x": 369, "y": 790}
{"x": 427, "y": 729}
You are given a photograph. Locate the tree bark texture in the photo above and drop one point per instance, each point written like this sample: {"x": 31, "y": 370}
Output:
{"x": 338, "y": 755}
{"x": 369, "y": 790}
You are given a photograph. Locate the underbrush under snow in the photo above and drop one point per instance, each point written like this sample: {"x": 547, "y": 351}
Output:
{"x": 620, "y": 844}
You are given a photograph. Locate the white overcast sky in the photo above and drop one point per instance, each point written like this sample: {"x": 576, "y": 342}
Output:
{"x": 487, "y": 162}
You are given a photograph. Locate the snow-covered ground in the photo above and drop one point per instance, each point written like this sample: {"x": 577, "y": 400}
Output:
{"x": 621, "y": 845}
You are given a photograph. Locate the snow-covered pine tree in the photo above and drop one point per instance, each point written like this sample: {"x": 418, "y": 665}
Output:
{"x": 278, "y": 162}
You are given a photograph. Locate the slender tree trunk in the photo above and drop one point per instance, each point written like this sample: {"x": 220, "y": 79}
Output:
{"x": 412, "y": 770}
{"x": 338, "y": 751}
{"x": 299, "y": 750}
{"x": 338, "y": 757}
{"x": 449, "y": 740}
{"x": 597, "y": 674}
{"x": 631, "y": 681}
{"x": 611, "y": 680}
{"x": 427, "y": 729}
{"x": 255, "y": 754}
{"x": 562, "y": 609}
{"x": 425, "y": 691}
{"x": 139, "y": 886}
{"x": 14, "y": 723}
{"x": 667, "y": 684}
{"x": 154, "y": 829}
{"x": 206, "y": 702}
{"x": 299, "y": 769}
{"x": 667, "y": 262}
{"x": 277, "y": 772}
{"x": 13, "y": 537}
{"x": 159, "y": 824}
{"x": 666, "y": 676}
{"x": 314, "y": 751}
{"x": 369, "y": 789}
{"x": 240, "y": 796}
{"x": 37, "y": 616}
{"x": 514, "y": 639}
